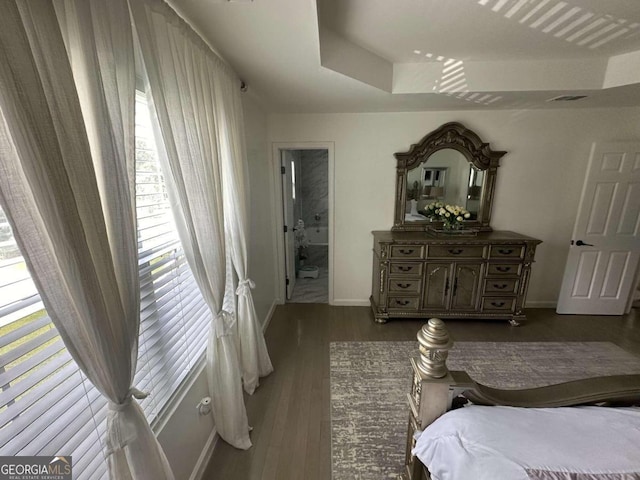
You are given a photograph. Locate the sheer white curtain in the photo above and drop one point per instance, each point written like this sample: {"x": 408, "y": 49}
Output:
{"x": 67, "y": 185}
{"x": 254, "y": 357}
{"x": 181, "y": 71}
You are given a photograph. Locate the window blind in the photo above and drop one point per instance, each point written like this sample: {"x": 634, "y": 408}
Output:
{"x": 45, "y": 403}
{"x": 174, "y": 317}
{"x": 47, "y": 406}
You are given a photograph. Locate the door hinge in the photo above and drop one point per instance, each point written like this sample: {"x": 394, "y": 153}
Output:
{"x": 286, "y": 229}
{"x": 283, "y": 170}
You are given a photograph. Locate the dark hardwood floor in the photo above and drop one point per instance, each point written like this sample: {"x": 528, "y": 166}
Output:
{"x": 290, "y": 410}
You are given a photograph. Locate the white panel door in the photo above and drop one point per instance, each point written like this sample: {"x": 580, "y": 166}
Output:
{"x": 605, "y": 247}
{"x": 288, "y": 197}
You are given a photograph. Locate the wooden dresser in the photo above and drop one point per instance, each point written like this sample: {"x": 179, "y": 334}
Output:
{"x": 422, "y": 275}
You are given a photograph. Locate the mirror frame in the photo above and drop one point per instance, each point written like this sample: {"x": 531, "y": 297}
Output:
{"x": 478, "y": 153}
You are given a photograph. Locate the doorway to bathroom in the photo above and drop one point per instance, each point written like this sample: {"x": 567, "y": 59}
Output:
{"x": 305, "y": 212}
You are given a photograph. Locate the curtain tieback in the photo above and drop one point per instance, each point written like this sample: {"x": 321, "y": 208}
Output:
{"x": 133, "y": 392}
{"x": 223, "y": 323}
{"x": 244, "y": 286}
{"x": 120, "y": 431}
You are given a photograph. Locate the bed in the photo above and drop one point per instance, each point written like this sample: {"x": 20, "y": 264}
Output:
{"x": 461, "y": 430}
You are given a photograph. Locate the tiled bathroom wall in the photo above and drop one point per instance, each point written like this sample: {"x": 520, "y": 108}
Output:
{"x": 312, "y": 198}
{"x": 313, "y": 179}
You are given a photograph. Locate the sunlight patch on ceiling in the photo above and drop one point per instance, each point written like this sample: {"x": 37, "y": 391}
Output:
{"x": 453, "y": 82}
{"x": 513, "y": 56}
{"x": 570, "y": 23}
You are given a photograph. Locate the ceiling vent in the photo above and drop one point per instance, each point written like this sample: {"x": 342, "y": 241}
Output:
{"x": 566, "y": 98}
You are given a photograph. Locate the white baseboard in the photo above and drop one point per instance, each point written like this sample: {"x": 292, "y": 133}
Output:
{"x": 205, "y": 456}
{"x": 350, "y": 303}
{"x": 267, "y": 319}
{"x": 541, "y": 304}
{"x": 365, "y": 303}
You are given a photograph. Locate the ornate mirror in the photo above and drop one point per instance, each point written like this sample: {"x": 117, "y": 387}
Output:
{"x": 451, "y": 165}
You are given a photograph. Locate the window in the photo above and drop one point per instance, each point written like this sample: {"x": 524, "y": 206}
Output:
{"x": 47, "y": 407}
{"x": 293, "y": 180}
{"x": 45, "y": 404}
{"x": 174, "y": 317}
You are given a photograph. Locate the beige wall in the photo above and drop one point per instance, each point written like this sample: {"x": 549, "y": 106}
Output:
{"x": 185, "y": 435}
{"x": 262, "y": 246}
{"x": 538, "y": 189}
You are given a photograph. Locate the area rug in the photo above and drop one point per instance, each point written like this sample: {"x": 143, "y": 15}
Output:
{"x": 370, "y": 382}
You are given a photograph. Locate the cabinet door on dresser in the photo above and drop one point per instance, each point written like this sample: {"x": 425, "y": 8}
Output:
{"x": 452, "y": 286}
{"x": 467, "y": 286}
{"x": 437, "y": 282}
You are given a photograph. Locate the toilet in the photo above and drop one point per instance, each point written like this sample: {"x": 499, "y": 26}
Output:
{"x": 308, "y": 271}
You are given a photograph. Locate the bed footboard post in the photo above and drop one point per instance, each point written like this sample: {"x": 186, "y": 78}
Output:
{"x": 433, "y": 387}
{"x": 434, "y": 343}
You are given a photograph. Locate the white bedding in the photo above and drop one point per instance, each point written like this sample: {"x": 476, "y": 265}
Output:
{"x": 506, "y": 443}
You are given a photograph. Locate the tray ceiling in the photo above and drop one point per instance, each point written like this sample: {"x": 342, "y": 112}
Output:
{"x": 380, "y": 55}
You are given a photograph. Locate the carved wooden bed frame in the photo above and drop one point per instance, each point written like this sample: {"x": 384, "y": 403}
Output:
{"x": 436, "y": 390}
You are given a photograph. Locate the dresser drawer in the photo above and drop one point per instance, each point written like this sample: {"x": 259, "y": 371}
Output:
{"x": 506, "y": 251}
{"x": 407, "y": 251}
{"x": 504, "y": 269}
{"x": 403, "y": 303}
{"x": 455, "y": 251}
{"x": 498, "y": 304}
{"x": 500, "y": 285}
{"x": 405, "y": 285}
{"x": 408, "y": 269}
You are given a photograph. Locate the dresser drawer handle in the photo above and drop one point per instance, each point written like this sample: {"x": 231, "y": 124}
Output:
{"x": 500, "y": 287}
{"x": 505, "y": 251}
{"x": 455, "y": 251}
{"x": 403, "y": 285}
{"x": 403, "y": 303}
{"x": 406, "y": 251}
{"x": 497, "y": 304}
{"x": 503, "y": 269}
{"x": 405, "y": 269}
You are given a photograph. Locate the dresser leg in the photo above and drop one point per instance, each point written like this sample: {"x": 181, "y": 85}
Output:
{"x": 380, "y": 320}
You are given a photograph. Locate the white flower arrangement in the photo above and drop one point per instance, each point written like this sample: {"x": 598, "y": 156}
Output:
{"x": 451, "y": 216}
